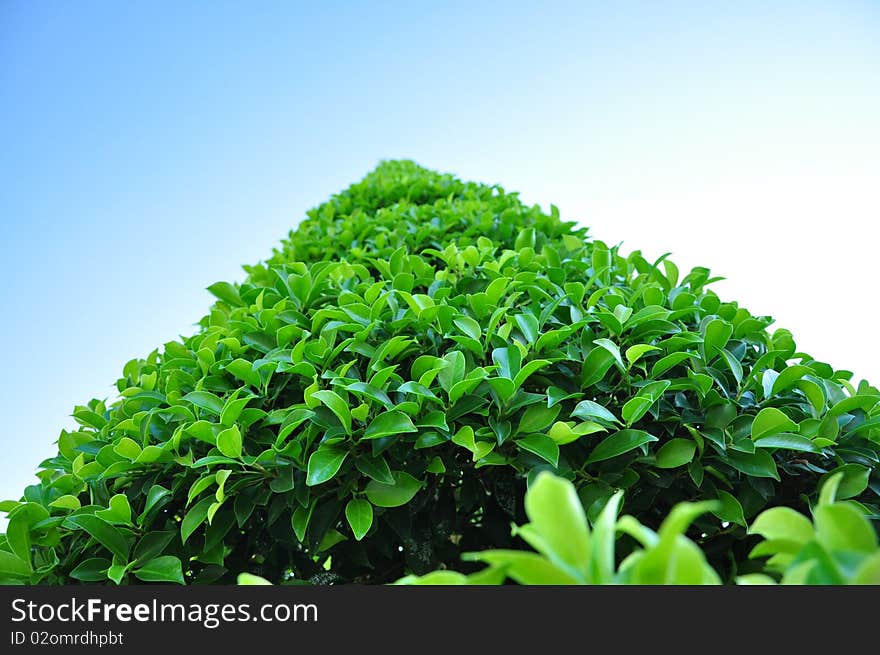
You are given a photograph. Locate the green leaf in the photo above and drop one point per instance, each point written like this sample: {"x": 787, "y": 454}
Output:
{"x": 668, "y": 362}
{"x": 229, "y": 442}
{"x": 393, "y": 495}
{"x": 758, "y": 464}
{"x": 155, "y": 495}
{"x": 18, "y": 536}
{"x": 374, "y": 467}
{"x": 567, "y": 432}
{"x": 127, "y": 448}
{"x": 587, "y": 409}
{"x": 603, "y": 541}
{"x": 526, "y": 568}
{"x": 733, "y": 364}
{"x": 528, "y": 325}
{"x": 716, "y": 336}
{"x": 612, "y": 348}
{"x": 300, "y": 520}
{"x": 336, "y": 405}
{"x": 13, "y": 566}
{"x": 788, "y": 377}
{"x": 249, "y": 579}
{"x": 787, "y": 441}
{"x": 205, "y": 400}
{"x": 232, "y": 409}
{"x": 359, "y": 514}
{"x": 118, "y": 510}
{"x": 465, "y": 437}
{"x": 556, "y": 513}
{"x": 769, "y": 422}
{"x": 152, "y": 544}
{"x": 853, "y": 482}
{"x": 93, "y": 569}
{"x": 868, "y": 572}
{"x": 843, "y": 527}
{"x": 619, "y": 443}
{"x": 102, "y": 532}
{"x": 526, "y": 371}
{"x": 675, "y": 453}
{"x": 468, "y": 327}
{"x": 388, "y": 424}
{"x": 783, "y": 523}
{"x": 226, "y": 292}
{"x": 67, "y": 501}
{"x": 542, "y": 446}
{"x": 166, "y": 568}
{"x": 197, "y": 515}
{"x": 536, "y": 418}
{"x": 636, "y": 407}
{"x": 244, "y": 371}
{"x": 595, "y": 366}
{"x": 731, "y": 510}
{"x": 323, "y": 464}
{"x": 635, "y": 353}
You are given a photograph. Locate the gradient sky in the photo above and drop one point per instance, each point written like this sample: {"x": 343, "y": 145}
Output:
{"x": 148, "y": 149}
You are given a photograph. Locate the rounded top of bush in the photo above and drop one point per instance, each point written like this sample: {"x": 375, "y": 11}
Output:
{"x": 373, "y": 400}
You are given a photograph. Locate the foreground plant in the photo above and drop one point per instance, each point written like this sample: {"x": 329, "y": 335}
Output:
{"x": 838, "y": 547}
{"x": 373, "y": 399}
{"x": 841, "y": 549}
{"x": 568, "y": 552}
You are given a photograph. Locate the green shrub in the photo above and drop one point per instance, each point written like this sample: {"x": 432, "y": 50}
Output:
{"x": 373, "y": 400}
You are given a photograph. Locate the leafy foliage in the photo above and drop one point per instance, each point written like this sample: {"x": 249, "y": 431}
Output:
{"x": 374, "y": 399}
{"x": 568, "y": 552}
{"x": 841, "y": 549}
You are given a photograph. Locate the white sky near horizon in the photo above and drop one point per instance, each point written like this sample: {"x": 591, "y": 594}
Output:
{"x": 148, "y": 153}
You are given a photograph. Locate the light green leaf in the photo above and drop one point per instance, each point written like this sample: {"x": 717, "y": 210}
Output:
{"x": 359, "y": 514}
{"x": 634, "y": 353}
{"x": 249, "y": 579}
{"x": 770, "y": 421}
{"x": 716, "y": 336}
{"x": 66, "y": 502}
{"x": 556, "y": 513}
{"x": 675, "y": 453}
{"x": 782, "y": 523}
{"x": 229, "y": 442}
{"x": 393, "y": 495}
{"x": 567, "y": 432}
{"x": 118, "y": 510}
{"x": 843, "y": 527}
{"x": 526, "y": 568}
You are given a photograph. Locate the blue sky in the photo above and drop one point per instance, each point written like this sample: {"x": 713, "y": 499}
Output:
{"x": 150, "y": 149}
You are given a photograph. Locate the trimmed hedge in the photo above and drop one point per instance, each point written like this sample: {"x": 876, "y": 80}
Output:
{"x": 372, "y": 401}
